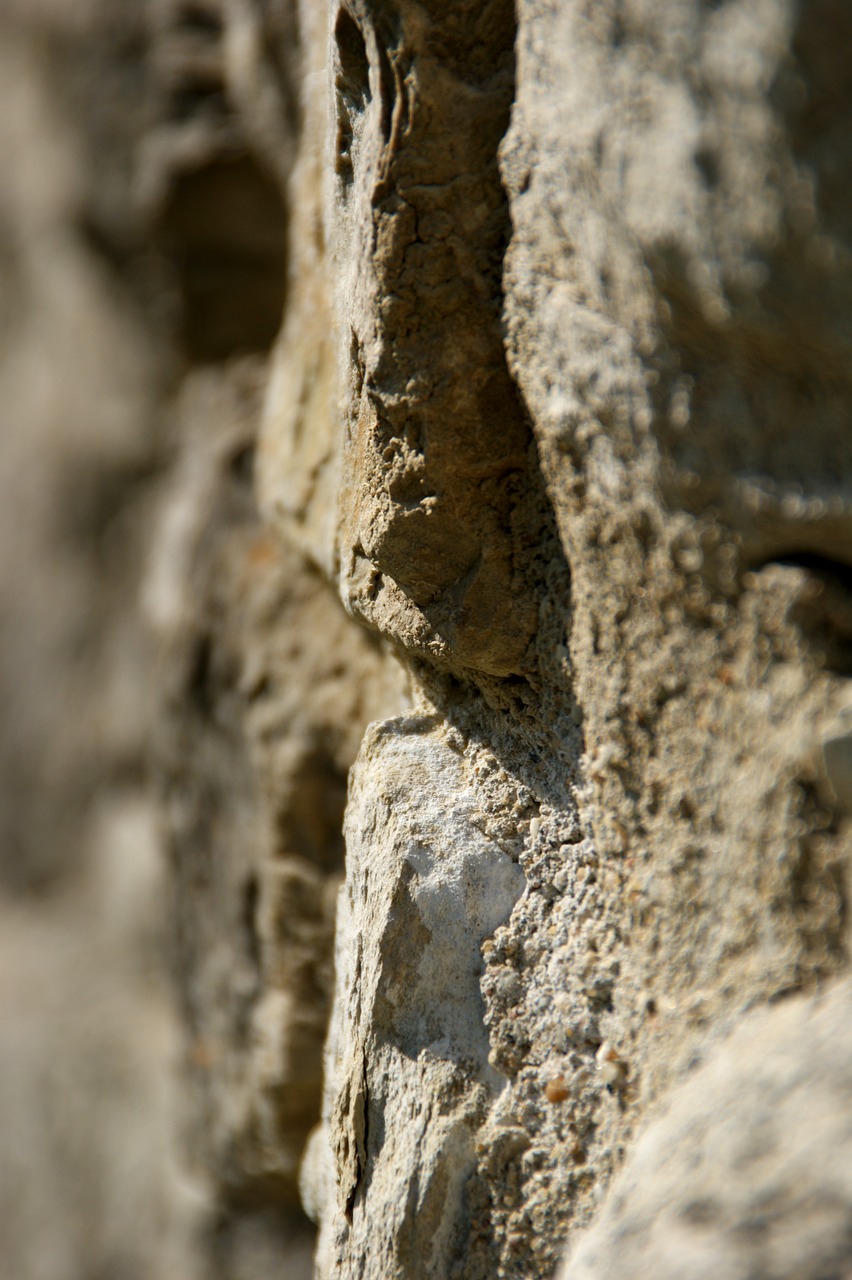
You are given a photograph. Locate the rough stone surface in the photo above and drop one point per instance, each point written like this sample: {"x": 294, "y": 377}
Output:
{"x": 684, "y": 858}
{"x": 406, "y": 1061}
{"x": 747, "y": 1172}
{"x": 521, "y": 329}
{"x": 435, "y": 537}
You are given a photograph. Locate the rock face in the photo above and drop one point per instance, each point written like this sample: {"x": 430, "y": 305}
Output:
{"x": 747, "y": 1171}
{"x": 487, "y": 431}
{"x": 432, "y": 545}
{"x": 425, "y": 888}
{"x": 654, "y": 733}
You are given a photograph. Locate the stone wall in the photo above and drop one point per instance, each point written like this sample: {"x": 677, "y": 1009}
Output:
{"x": 453, "y": 396}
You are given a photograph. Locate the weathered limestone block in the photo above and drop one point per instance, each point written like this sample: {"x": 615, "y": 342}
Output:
{"x": 513, "y": 1153}
{"x": 675, "y": 223}
{"x": 749, "y": 1169}
{"x": 433, "y": 543}
{"x": 685, "y": 853}
{"x": 407, "y": 1074}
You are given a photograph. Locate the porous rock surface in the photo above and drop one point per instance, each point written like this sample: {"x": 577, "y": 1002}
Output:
{"x": 747, "y": 1172}
{"x": 648, "y": 748}
{"x": 490, "y": 430}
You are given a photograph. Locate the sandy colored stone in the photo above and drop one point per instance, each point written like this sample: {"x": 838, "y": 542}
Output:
{"x": 747, "y": 1171}
{"x": 434, "y": 518}
{"x": 684, "y": 855}
{"x": 540, "y": 311}
{"x": 407, "y": 1071}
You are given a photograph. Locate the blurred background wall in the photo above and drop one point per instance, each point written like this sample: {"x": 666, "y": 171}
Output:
{"x": 154, "y": 751}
